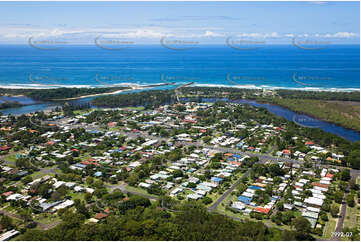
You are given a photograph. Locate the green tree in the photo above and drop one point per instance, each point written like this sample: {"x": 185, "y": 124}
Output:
{"x": 302, "y": 227}
{"x": 334, "y": 210}
{"x": 207, "y": 200}
{"x": 350, "y": 200}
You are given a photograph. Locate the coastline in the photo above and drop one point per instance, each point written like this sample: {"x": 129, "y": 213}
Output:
{"x": 194, "y": 84}
{"x": 94, "y": 95}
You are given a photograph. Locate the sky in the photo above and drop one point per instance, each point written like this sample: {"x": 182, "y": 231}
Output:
{"x": 202, "y": 22}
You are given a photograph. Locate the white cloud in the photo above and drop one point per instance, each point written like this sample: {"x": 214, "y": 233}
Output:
{"x": 212, "y": 34}
{"x": 344, "y": 35}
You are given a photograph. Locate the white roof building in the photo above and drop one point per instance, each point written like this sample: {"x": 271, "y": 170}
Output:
{"x": 238, "y": 205}
{"x": 314, "y": 201}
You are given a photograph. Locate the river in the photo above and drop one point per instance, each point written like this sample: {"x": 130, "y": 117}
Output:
{"x": 300, "y": 119}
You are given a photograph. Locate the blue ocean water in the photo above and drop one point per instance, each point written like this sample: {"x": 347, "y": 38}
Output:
{"x": 272, "y": 66}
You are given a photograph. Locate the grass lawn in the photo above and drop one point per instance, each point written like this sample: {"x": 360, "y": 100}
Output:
{"x": 37, "y": 174}
{"x": 214, "y": 196}
{"x": 47, "y": 218}
{"x": 77, "y": 195}
{"x": 136, "y": 108}
{"x": 352, "y": 218}
{"x": 80, "y": 112}
{"x": 329, "y": 227}
{"x": 10, "y": 158}
{"x": 139, "y": 190}
{"x": 11, "y": 209}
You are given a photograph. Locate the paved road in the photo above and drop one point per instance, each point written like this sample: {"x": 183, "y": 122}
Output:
{"x": 342, "y": 215}
{"x": 215, "y": 205}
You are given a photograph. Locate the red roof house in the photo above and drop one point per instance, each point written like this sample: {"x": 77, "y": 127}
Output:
{"x": 262, "y": 210}
{"x": 5, "y": 147}
{"x": 101, "y": 215}
{"x": 286, "y": 152}
{"x": 6, "y": 194}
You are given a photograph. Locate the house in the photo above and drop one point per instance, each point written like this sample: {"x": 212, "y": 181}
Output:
{"x": 201, "y": 192}
{"x": 6, "y": 194}
{"x": 176, "y": 191}
{"x": 100, "y": 216}
{"x": 47, "y": 206}
{"x": 5, "y": 148}
{"x": 262, "y": 210}
{"x": 286, "y": 153}
{"x": 98, "y": 174}
{"x": 15, "y": 197}
{"x": 310, "y": 214}
{"x": 238, "y": 205}
{"x": 58, "y": 184}
{"x": 93, "y": 220}
{"x": 194, "y": 196}
{"x": 144, "y": 185}
{"x": 288, "y": 206}
{"x": 8, "y": 235}
{"x": 216, "y": 179}
{"x": 313, "y": 201}
{"x": 309, "y": 143}
{"x": 78, "y": 189}
{"x": 244, "y": 199}
{"x": 315, "y": 184}
{"x": 64, "y": 204}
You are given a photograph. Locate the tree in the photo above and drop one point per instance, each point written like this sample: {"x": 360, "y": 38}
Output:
{"x": 302, "y": 227}
{"x": 177, "y": 173}
{"x": 99, "y": 192}
{"x": 338, "y": 196}
{"x": 350, "y": 200}
{"x": 345, "y": 175}
{"x": 207, "y": 200}
{"x": 6, "y": 222}
{"x": 89, "y": 180}
{"x": 334, "y": 210}
{"x": 81, "y": 208}
{"x": 279, "y": 206}
{"x": 275, "y": 170}
{"x": 26, "y": 214}
{"x": 88, "y": 197}
{"x": 324, "y": 217}
{"x": 55, "y": 196}
{"x": 192, "y": 185}
{"x": 27, "y": 179}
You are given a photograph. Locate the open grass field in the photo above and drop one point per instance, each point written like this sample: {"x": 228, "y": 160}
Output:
{"x": 352, "y": 218}
{"x": 45, "y": 218}
{"x": 139, "y": 190}
{"x": 329, "y": 227}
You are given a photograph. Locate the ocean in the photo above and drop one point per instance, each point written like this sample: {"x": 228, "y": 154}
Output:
{"x": 335, "y": 67}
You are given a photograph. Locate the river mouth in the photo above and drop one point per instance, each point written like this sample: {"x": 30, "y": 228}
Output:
{"x": 303, "y": 120}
